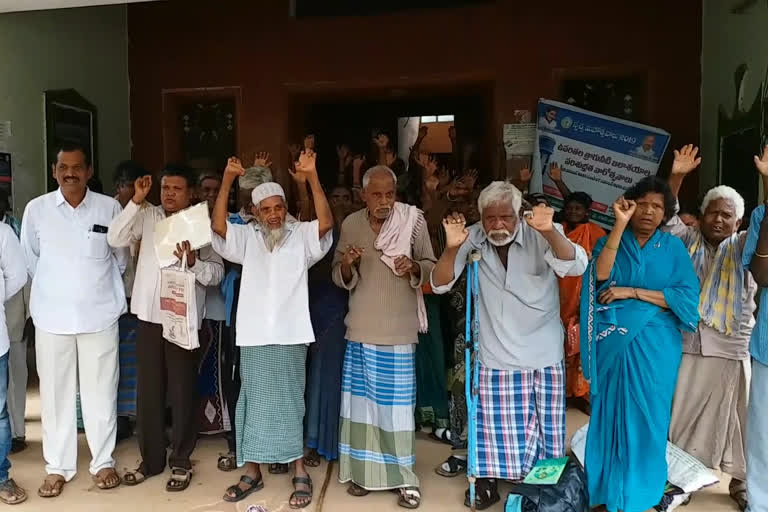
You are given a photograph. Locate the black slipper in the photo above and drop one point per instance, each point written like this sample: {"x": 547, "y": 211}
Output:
{"x": 240, "y": 494}
{"x": 301, "y": 494}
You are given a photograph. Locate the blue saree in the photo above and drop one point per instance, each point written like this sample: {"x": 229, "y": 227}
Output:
{"x": 631, "y": 352}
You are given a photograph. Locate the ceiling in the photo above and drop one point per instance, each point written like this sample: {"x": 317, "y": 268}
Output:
{"x": 36, "y": 5}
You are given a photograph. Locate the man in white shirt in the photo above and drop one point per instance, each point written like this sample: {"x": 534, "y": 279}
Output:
{"x": 76, "y": 299}
{"x": 14, "y": 277}
{"x": 274, "y": 332}
{"x": 163, "y": 366}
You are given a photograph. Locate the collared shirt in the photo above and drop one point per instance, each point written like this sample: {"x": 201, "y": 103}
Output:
{"x": 137, "y": 223}
{"x": 77, "y": 286}
{"x": 14, "y": 276}
{"x": 273, "y": 307}
{"x": 758, "y": 343}
{"x": 707, "y": 341}
{"x": 519, "y": 307}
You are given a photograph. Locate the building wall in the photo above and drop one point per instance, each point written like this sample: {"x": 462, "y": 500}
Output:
{"x": 729, "y": 40}
{"x": 517, "y": 47}
{"x": 83, "y": 49}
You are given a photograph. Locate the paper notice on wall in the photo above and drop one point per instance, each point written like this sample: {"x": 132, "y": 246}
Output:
{"x": 684, "y": 470}
{"x": 519, "y": 139}
{"x": 5, "y": 133}
{"x": 192, "y": 224}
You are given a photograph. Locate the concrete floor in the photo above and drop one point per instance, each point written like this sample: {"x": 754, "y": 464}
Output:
{"x": 208, "y": 484}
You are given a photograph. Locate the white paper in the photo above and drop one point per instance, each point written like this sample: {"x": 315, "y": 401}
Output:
{"x": 192, "y": 224}
{"x": 519, "y": 139}
{"x": 684, "y": 470}
{"x": 5, "y": 132}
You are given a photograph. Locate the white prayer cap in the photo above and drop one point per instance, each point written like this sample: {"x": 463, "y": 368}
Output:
{"x": 266, "y": 190}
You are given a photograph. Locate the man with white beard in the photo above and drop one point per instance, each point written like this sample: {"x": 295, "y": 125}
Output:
{"x": 274, "y": 326}
{"x": 521, "y": 407}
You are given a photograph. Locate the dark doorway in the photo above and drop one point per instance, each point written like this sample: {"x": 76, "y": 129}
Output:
{"x": 355, "y": 117}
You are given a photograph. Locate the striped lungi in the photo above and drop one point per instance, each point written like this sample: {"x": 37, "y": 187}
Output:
{"x": 520, "y": 419}
{"x": 269, "y": 419}
{"x": 378, "y": 398}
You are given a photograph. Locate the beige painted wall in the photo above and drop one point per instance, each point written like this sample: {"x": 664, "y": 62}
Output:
{"x": 729, "y": 40}
{"x": 85, "y": 49}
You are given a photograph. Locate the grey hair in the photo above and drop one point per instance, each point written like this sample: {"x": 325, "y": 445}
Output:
{"x": 253, "y": 177}
{"x": 378, "y": 169}
{"x": 500, "y": 192}
{"x": 724, "y": 192}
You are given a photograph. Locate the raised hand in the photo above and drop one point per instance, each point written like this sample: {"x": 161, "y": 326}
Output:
{"x": 352, "y": 255}
{"x": 685, "y": 160}
{"x": 342, "y": 151}
{"x": 525, "y": 175}
{"x": 309, "y": 142}
{"x": 305, "y": 166}
{"x": 541, "y": 217}
{"x": 456, "y": 232}
{"x": 141, "y": 187}
{"x": 555, "y": 172}
{"x": 470, "y": 178}
{"x": 294, "y": 150}
{"x": 761, "y": 163}
{"x": 428, "y": 163}
{"x": 262, "y": 159}
{"x": 623, "y": 209}
{"x": 234, "y": 168}
{"x": 452, "y": 133}
{"x": 423, "y": 130}
{"x": 181, "y": 249}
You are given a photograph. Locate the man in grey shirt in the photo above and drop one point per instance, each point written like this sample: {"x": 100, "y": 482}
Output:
{"x": 521, "y": 407}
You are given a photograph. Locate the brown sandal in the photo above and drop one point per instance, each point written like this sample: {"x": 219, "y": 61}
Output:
{"x": 134, "y": 477}
{"x": 738, "y": 492}
{"x": 357, "y": 491}
{"x": 101, "y": 477}
{"x": 12, "y": 494}
{"x": 179, "y": 481}
{"x": 52, "y": 486}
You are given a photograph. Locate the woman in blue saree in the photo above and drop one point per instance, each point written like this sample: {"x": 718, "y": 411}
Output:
{"x": 639, "y": 291}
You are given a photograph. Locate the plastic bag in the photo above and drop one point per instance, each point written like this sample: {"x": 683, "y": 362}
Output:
{"x": 178, "y": 306}
{"x": 568, "y": 495}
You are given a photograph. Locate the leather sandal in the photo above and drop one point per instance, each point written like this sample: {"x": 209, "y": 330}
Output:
{"x": 235, "y": 493}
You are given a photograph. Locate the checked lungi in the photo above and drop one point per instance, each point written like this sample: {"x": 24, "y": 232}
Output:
{"x": 520, "y": 419}
{"x": 269, "y": 419}
{"x": 378, "y": 399}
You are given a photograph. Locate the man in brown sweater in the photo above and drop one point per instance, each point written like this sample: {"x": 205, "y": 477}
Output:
{"x": 384, "y": 256}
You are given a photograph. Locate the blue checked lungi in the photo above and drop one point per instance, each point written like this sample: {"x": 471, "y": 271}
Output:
{"x": 378, "y": 398}
{"x": 520, "y": 419}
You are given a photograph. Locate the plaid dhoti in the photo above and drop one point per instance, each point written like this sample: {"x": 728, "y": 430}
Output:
{"x": 378, "y": 396}
{"x": 520, "y": 419}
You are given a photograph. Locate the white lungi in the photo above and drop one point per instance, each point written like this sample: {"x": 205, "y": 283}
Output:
{"x": 60, "y": 358}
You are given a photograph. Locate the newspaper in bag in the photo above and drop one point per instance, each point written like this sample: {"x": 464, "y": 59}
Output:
{"x": 178, "y": 306}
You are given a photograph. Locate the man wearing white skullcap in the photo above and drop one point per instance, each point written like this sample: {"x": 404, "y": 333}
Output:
{"x": 273, "y": 327}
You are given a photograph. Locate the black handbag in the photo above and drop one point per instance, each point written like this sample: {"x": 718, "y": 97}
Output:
{"x": 569, "y": 494}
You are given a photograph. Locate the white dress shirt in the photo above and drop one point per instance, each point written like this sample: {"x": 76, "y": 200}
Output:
{"x": 77, "y": 286}
{"x": 14, "y": 273}
{"x": 273, "y": 307}
{"x": 519, "y": 315}
{"x": 137, "y": 223}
